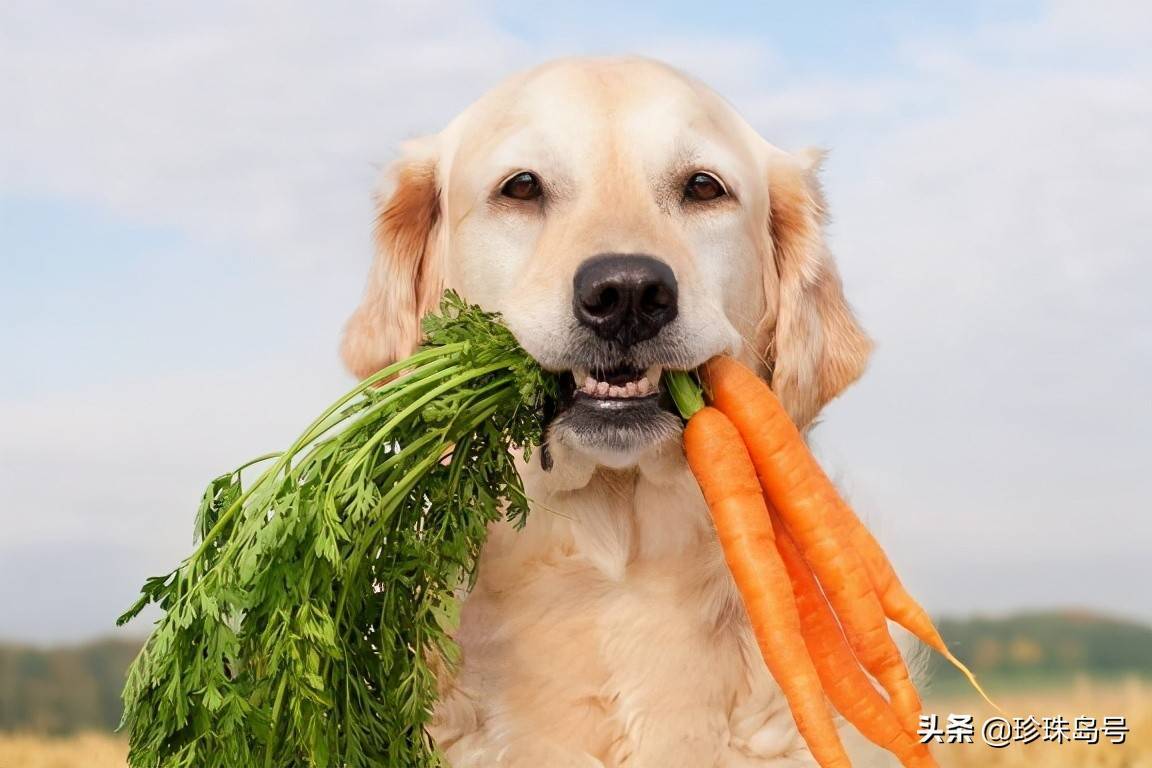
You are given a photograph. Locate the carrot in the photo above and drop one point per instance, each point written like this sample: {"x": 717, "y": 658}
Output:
{"x": 846, "y": 685}
{"x": 728, "y": 479}
{"x": 898, "y": 604}
{"x": 803, "y": 495}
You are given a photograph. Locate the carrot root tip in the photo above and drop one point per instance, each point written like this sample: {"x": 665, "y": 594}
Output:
{"x": 972, "y": 679}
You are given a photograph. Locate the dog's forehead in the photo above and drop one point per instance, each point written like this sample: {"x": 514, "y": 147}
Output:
{"x": 618, "y": 86}
{"x": 588, "y": 108}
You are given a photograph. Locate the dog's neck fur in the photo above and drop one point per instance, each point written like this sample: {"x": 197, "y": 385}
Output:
{"x": 608, "y": 632}
{"x": 650, "y": 516}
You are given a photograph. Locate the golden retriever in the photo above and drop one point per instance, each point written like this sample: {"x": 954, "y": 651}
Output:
{"x": 624, "y": 219}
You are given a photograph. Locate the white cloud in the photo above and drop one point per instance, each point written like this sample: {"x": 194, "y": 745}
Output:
{"x": 994, "y": 236}
{"x": 100, "y": 483}
{"x": 126, "y": 461}
{"x": 256, "y": 130}
{"x": 252, "y": 120}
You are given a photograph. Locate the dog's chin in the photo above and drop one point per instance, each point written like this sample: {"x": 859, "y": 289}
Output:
{"x": 616, "y": 433}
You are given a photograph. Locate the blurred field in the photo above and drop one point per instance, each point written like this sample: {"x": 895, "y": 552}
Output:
{"x": 1132, "y": 699}
{"x": 89, "y": 750}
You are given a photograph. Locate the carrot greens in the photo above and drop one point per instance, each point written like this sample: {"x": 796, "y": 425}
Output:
{"x": 304, "y": 627}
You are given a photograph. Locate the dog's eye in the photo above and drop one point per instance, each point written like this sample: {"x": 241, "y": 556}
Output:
{"x": 522, "y": 186}
{"x": 703, "y": 187}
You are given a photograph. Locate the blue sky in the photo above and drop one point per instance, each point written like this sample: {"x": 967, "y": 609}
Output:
{"x": 184, "y": 217}
{"x": 805, "y": 38}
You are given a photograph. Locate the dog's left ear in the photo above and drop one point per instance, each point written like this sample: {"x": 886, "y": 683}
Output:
{"x": 816, "y": 347}
{"x": 405, "y": 281}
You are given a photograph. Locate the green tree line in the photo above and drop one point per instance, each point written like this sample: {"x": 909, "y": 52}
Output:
{"x": 59, "y": 690}
{"x": 1050, "y": 646}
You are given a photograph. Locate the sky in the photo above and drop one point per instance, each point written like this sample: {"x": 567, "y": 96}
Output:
{"x": 184, "y": 227}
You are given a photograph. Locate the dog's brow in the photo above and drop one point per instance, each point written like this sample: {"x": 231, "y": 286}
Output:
{"x": 686, "y": 153}
{"x": 684, "y": 158}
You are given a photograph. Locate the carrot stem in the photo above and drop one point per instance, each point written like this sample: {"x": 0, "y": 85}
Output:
{"x": 686, "y": 392}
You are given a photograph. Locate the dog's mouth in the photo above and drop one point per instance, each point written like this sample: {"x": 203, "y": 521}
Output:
{"x": 621, "y": 389}
{"x": 622, "y": 383}
{"x": 619, "y": 409}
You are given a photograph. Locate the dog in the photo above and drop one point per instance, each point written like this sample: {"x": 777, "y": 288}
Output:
{"x": 624, "y": 220}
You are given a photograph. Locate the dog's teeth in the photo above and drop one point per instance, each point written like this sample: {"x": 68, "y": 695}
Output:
{"x": 643, "y": 385}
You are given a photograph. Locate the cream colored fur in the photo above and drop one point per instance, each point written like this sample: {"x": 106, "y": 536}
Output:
{"x": 607, "y": 632}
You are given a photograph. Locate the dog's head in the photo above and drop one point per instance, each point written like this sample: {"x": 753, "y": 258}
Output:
{"x": 623, "y": 219}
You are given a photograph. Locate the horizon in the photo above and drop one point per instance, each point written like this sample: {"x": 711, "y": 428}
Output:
{"x": 1070, "y": 613}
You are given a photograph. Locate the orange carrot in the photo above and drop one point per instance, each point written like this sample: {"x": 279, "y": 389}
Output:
{"x": 898, "y": 604}
{"x": 727, "y": 477}
{"x": 803, "y": 495}
{"x": 846, "y": 685}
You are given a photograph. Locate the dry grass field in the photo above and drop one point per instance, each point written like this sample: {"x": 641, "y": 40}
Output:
{"x": 1133, "y": 700}
{"x": 88, "y": 750}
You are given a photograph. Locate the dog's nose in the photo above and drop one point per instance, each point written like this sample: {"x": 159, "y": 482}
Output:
{"x": 624, "y": 298}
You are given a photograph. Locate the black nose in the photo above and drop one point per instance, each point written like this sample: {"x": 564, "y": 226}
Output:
{"x": 624, "y": 298}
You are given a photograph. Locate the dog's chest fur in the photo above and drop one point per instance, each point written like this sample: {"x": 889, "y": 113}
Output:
{"x": 608, "y": 633}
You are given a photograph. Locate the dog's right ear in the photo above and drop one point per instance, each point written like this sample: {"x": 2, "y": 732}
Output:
{"x": 405, "y": 281}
